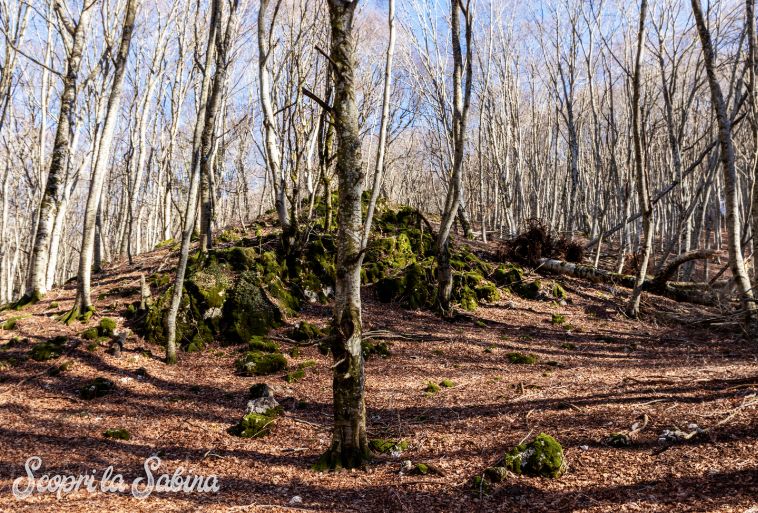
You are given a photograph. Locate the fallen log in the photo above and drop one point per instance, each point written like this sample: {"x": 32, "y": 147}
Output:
{"x": 688, "y": 292}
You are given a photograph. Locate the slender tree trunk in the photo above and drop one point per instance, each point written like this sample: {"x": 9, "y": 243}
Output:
{"x": 51, "y": 198}
{"x": 190, "y": 211}
{"x": 461, "y": 101}
{"x": 92, "y": 210}
{"x": 349, "y": 447}
{"x": 734, "y": 235}
{"x": 643, "y": 192}
{"x": 384, "y": 126}
{"x": 753, "y": 105}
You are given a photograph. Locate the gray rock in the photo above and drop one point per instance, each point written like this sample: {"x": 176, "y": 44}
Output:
{"x": 261, "y": 405}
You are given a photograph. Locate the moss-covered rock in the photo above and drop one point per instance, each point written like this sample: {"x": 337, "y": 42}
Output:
{"x": 529, "y": 290}
{"x": 98, "y": 387}
{"x": 306, "y": 331}
{"x": 106, "y": 327}
{"x": 508, "y": 275}
{"x": 258, "y": 363}
{"x": 255, "y": 425}
{"x": 558, "y": 291}
{"x": 488, "y": 292}
{"x": 117, "y": 434}
{"x": 542, "y": 457}
{"x": 49, "y": 349}
{"x": 258, "y": 343}
{"x": 370, "y": 349}
{"x": 387, "y": 446}
{"x": 248, "y": 311}
{"x": 558, "y": 319}
{"x": 521, "y": 358}
{"x": 446, "y": 383}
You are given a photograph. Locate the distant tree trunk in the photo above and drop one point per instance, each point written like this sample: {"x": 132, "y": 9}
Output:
{"x": 734, "y": 235}
{"x": 51, "y": 198}
{"x": 222, "y": 41}
{"x": 271, "y": 144}
{"x": 753, "y": 105}
{"x": 349, "y": 447}
{"x": 461, "y": 102}
{"x": 643, "y": 192}
{"x": 383, "y": 128}
{"x": 190, "y": 210}
{"x": 91, "y": 213}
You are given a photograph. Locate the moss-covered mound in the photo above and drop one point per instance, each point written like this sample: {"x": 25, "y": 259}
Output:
{"x": 98, "y": 387}
{"x": 259, "y": 363}
{"x": 542, "y": 457}
{"x": 49, "y": 349}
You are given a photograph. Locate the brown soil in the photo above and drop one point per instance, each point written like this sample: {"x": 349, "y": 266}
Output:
{"x": 592, "y": 380}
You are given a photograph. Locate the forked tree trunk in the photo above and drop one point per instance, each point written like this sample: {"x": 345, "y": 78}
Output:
{"x": 734, "y": 235}
{"x": 349, "y": 447}
{"x": 92, "y": 210}
{"x": 51, "y": 198}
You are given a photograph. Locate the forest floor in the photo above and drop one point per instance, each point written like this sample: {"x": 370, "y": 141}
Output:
{"x": 596, "y": 375}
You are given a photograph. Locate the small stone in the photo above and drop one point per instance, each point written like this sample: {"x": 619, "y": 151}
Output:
{"x": 584, "y": 447}
{"x": 261, "y": 405}
{"x": 296, "y": 500}
{"x": 406, "y": 466}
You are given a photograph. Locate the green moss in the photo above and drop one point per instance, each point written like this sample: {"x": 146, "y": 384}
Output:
{"x": 53, "y": 305}
{"x": 521, "y": 358}
{"x": 508, "y": 275}
{"x": 529, "y": 290}
{"x": 468, "y": 299}
{"x": 49, "y": 349}
{"x": 496, "y": 474}
{"x": 385, "y": 445}
{"x": 10, "y": 324}
{"x": 558, "y": 319}
{"x": 106, "y": 327}
{"x": 258, "y": 343}
{"x": 165, "y": 244}
{"x": 90, "y": 333}
{"x": 487, "y": 292}
{"x": 306, "y": 331}
{"x": 431, "y": 388}
{"x": 248, "y": 311}
{"x": 117, "y": 434}
{"x": 490, "y": 349}
{"x": 294, "y": 352}
{"x": 255, "y": 425}
{"x": 238, "y": 258}
{"x": 294, "y": 376}
{"x": 558, "y": 291}
{"x": 257, "y": 363}
{"x": 390, "y": 288}
{"x": 569, "y": 346}
{"x": 542, "y": 457}
{"x": 480, "y": 485}
{"x": 370, "y": 349}
{"x": 446, "y": 383}
{"x": 98, "y": 387}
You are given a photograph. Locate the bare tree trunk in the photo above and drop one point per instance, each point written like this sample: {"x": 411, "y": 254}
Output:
{"x": 349, "y": 447}
{"x": 461, "y": 102}
{"x": 36, "y": 286}
{"x": 83, "y": 302}
{"x": 190, "y": 210}
{"x": 271, "y": 144}
{"x": 753, "y": 104}
{"x": 734, "y": 235}
{"x": 222, "y": 41}
{"x": 384, "y": 125}
{"x": 643, "y": 192}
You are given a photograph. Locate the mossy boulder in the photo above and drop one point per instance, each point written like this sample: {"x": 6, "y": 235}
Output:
{"x": 488, "y": 292}
{"x": 49, "y": 349}
{"x": 248, "y": 311}
{"x": 306, "y": 331}
{"x": 542, "y": 457}
{"x": 258, "y": 363}
{"x": 255, "y": 425}
{"x": 529, "y": 290}
{"x": 107, "y": 327}
{"x": 507, "y": 275}
{"x": 98, "y": 387}
{"x": 258, "y": 343}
